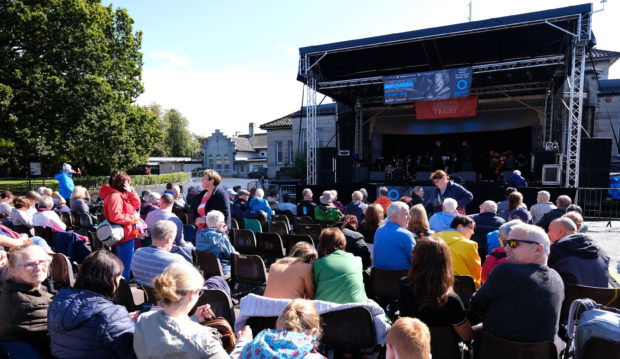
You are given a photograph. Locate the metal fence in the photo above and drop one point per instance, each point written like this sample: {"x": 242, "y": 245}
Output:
{"x": 599, "y": 203}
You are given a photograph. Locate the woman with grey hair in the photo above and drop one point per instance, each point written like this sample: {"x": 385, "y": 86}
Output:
{"x": 498, "y": 254}
{"x": 45, "y": 217}
{"x": 214, "y": 239}
{"x": 151, "y": 203}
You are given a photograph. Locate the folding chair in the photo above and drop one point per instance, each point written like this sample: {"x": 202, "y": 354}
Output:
{"x": 464, "y": 287}
{"x": 178, "y": 211}
{"x": 599, "y": 348}
{"x": 348, "y": 330}
{"x": 281, "y": 218}
{"x": 292, "y": 239}
{"x": 303, "y": 220}
{"x": 244, "y": 241}
{"x": 325, "y": 224}
{"x": 609, "y": 297}
{"x": 209, "y": 264}
{"x": 278, "y": 227}
{"x": 487, "y": 346}
{"x": 151, "y": 297}
{"x": 75, "y": 219}
{"x": 66, "y": 219}
{"x": 21, "y": 228}
{"x": 249, "y": 271}
{"x": 313, "y": 230}
{"x": 270, "y": 247}
{"x": 252, "y": 225}
{"x": 61, "y": 271}
{"x": 129, "y": 297}
{"x": 220, "y": 302}
{"x": 384, "y": 283}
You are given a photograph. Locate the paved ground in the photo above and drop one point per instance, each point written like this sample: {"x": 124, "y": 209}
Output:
{"x": 609, "y": 239}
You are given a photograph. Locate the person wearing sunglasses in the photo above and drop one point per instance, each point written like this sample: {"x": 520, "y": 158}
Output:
{"x": 521, "y": 298}
{"x": 24, "y": 301}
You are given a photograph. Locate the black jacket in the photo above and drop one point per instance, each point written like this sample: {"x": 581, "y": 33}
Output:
{"x": 306, "y": 208}
{"x": 219, "y": 201}
{"x": 549, "y": 217}
{"x": 356, "y": 245}
{"x": 485, "y": 223}
{"x": 579, "y": 261}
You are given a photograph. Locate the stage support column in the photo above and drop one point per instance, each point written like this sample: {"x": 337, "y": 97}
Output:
{"x": 359, "y": 128}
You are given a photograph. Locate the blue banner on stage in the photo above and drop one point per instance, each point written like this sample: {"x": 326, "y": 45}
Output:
{"x": 427, "y": 86}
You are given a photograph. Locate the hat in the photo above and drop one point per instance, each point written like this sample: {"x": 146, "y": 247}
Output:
{"x": 327, "y": 197}
{"x": 521, "y": 214}
{"x": 231, "y": 191}
{"x": 243, "y": 192}
{"x": 67, "y": 168}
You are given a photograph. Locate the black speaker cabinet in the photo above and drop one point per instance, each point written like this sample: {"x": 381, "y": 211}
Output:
{"x": 594, "y": 162}
{"x": 324, "y": 158}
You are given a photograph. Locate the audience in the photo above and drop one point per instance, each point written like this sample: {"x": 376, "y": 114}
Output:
{"x": 504, "y": 204}
{"x": 486, "y": 221}
{"x": 465, "y": 258}
{"x": 286, "y": 204}
{"x": 577, "y": 219}
{"x": 212, "y": 197}
{"x": 440, "y": 221}
{"x": 516, "y": 180}
{"x": 257, "y": 203}
{"x": 292, "y": 277}
{"x": 83, "y": 321}
{"x": 272, "y": 199}
{"x": 373, "y": 218}
{"x": 393, "y": 243}
{"x": 542, "y": 206}
{"x": 215, "y": 239}
{"x": 515, "y": 201}
{"x": 445, "y": 188}
{"x": 356, "y": 244}
{"x": 408, "y": 338}
{"x": 562, "y": 202}
{"x": 383, "y": 200}
{"x": 336, "y": 202}
{"x": 498, "y": 252}
{"x": 23, "y": 300}
{"x": 338, "y": 274}
{"x": 326, "y": 211}
{"x": 521, "y": 299}
{"x": 149, "y": 262}
{"x": 418, "y": 222}
{"x": 297, "y": 332}
{"x": 170, "y": 332}
{"x": 240, "y": 208}
{"x": 356, "y": 207}
{"x": 164, "y": 213}
{"x": 150, "y": 204}
{"x": 575, "y": 256}
{"x": 79, "y": 200}
{"x": 306, "y": 206}
{"x": 417, "y": 195}
{"x": 6, "y": 197}
{"x": 427, "y": 292}
{"x": 21, "y": 214}
{"x": 46, "y": 217}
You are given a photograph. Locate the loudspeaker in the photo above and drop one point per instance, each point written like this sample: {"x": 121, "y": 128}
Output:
{"x": 324, "y": 157}
{"x": 325, "y": 178}
{"x": 594, "y": 162}
{"x": 344, "y": 169}
{"x": 540, "y": 159}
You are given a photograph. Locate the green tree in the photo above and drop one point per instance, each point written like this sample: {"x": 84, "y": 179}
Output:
{"x": 70, "y": 71}
{"x": 178, "y": 140}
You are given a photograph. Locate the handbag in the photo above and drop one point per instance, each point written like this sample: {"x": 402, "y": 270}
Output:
{"x": 229, "y": 340}
{"x": 110, "y": 233}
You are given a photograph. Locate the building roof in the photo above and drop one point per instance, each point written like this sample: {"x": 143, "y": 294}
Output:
{"x": 609, "y": 87}
{"x": 244, "y": 143}
{"x": 287, "y": 121}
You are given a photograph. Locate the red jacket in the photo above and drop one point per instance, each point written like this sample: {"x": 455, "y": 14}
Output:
{"x": 384, "y": 201}
{"x": 497, "y": 256}
{"x": 120, "y": 208}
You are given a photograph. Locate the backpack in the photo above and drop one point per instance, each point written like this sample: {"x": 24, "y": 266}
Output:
{"x": 595, "y": 322}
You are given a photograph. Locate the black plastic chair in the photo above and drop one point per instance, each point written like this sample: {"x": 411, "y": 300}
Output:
{"x": 150, "y": 296}
{"x": 209, "y": 264}
{"x": 313, "y": 230}
{"x": 249, "y": 272}
{"x": 220, "y": 302}
{"x": 61, "y": 271}
{"x": 384, "y": 283}
{"x": 244, "y": 241}
{"x": 129, "y": 297}
{"x": 292, "y": 239}
{"x": 270, "y": 246}
{"x": 487, "y": 346}
{"x": 303, "y": 220}
{"x": 46, "y": 233}
{"x": 234, "y": 224}
{"x": 609, "y": 297}
{"x": 596, "y": 348}
{"x": 465, "y": 288}
{"x": 282, "y": 218}
{"x": 278, "y": 227}
{"x": 66, "y": 218}
{"x": 257, "y": 324}
{"x": 21, "y": 228}
{"x": 348, "y": 330}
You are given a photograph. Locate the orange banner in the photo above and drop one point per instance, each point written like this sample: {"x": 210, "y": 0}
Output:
{"x": 456, "y": 107}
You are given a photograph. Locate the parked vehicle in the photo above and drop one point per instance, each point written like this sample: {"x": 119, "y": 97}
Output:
{"x": 258, "y": 173}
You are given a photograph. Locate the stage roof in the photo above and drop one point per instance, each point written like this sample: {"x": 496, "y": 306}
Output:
{"x": 498, "y": 40}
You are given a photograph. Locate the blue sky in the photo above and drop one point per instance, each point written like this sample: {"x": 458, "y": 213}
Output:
{"x": 226, "y": 63}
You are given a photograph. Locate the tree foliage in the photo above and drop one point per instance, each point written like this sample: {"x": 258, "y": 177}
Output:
{"x": 178, "y": 140}
{"x": 70, "y": 71}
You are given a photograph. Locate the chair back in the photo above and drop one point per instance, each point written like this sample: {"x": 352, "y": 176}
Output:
{"x": 209, "y": 264}
{"x": 444, "y": 342}
{"x": 313, "y": 230}
{"x": 257, "y": 324}
{"x": 65, "y": 217}
{"x": 249, "y": 269}
{"x": 151, "y": 297}
{"x": 252, "y": 225}
{"x": 609, "y": 297}
{"x": 46, "y": 233}
{"x": 234, "y": 224}
{"x": 292, "y": 239}
{"x": 384, "y": 282}
{"x": 282, "y": 218}
{"x": 130, "y": 298}
{"x": 189, "y": 233}
{"x": 348, "y": 329}
{"x": 220, "y": 302}
{"x": 86, "y": 221}
{"x": 326, "y": 224}
{"x": 244, "y": 241}
{"x": 270, "y": 247}
{"x": 20, "y": 228}
{"x": 75, "y": 219}
{"x": 303, "y": 220}
{"x": 61, "y": 271}
{"x": 487, "y": 346}
{"x": 600, "y": 348}
{"x": 278, "y": 227}
{"x": 464, "y": 287}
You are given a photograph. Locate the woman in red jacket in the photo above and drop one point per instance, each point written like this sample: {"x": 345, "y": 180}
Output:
{"x": 120, "y": 205}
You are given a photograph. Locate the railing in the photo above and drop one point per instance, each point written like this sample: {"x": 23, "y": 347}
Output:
{"x": 599, "y": 203}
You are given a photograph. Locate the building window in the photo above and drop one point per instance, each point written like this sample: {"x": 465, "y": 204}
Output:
{"x": 279, "y": 153}
{"x": 211, "y": 163}
{"x": 218, "y": 162}
{"x": 290, "y": 152}
{"x": 226, "y": 162}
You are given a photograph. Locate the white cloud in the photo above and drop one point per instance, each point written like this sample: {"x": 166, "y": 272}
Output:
{"x": 168, "y": 60}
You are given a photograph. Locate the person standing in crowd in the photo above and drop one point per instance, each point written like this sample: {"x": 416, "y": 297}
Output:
{"x": 212, "y": 197}
{"x": 486, "y": 221}
{"x": 326, "y": 211}
{"x": 562, "y": 202}
{"x": 393, "y": 243}
{"x": 65, "y": 181}
{"x": 575, "y": 256}
{"x": 542, "y": 206}
{"x": 445, "y": 188}
{"x": 516, "y": 180}
{"x": 23, "y": 300}
{"x": 522, "y": 298}
{"x": 83, "y": 321}
{"x": 120, "y": 206}
{"x": 164, "y": 212}
{"x": 440, "y": 221}
{"x": 356, "y": 207}
{"x": 408, "y": 338}
{"x": 306, "y": 206}
{"x": 464, "y": 251}
{"x": 383, "y": 200}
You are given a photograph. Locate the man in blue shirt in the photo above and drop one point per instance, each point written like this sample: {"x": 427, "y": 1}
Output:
{"x": 393, "y": 242}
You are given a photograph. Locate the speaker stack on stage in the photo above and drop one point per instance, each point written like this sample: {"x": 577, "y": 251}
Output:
{"x": 326, "y": 174}
{"x": 594, "y": 163}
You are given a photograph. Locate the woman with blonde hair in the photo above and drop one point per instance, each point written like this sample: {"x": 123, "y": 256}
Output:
{"x": 418, "y": 222}
{"x": 171, "y": 332}
{"x": 298, "y": 330}
{"x": 79, "y": 200}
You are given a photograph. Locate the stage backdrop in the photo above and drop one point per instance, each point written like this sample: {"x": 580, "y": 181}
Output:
{"x": 456, "y": 107}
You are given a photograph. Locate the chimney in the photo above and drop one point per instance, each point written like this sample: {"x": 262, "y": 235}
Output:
{"x": 251, "y": 129}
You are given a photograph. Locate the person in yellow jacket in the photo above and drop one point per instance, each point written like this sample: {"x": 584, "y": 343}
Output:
{"x": 465, "y": 258}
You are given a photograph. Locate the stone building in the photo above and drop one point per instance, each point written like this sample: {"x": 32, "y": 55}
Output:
{"x": 236, "y": 155}
{"x": 286, "y": 137}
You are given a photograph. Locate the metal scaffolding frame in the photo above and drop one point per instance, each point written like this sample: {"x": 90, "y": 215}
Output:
{"x": 576, "y": 95}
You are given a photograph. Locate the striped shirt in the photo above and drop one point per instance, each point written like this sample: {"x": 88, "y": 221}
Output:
{"x": 149, "y": 262}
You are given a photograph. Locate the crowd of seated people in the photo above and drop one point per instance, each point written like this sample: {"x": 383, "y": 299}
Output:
{"x": 509, "y": 263}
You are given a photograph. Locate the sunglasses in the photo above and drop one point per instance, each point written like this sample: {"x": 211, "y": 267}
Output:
{"x": 514, "y": 243}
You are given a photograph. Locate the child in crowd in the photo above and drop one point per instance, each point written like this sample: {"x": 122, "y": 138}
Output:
{"x": 408, "y": 338}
